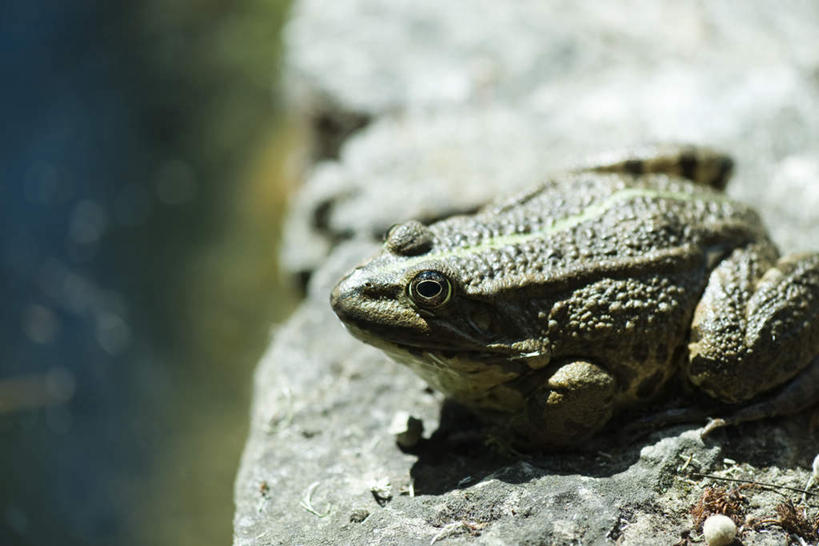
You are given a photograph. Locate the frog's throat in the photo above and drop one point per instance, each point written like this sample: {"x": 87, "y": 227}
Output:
{"x": 474, "y": 382}
{"x": 564, "y": 224}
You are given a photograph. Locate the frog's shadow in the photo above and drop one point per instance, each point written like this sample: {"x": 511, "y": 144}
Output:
{"x": 460, "y": 453}
{"x": 457, "y": 454}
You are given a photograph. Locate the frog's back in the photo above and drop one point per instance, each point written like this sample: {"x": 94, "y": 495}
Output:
{"x": 587, "y": 222}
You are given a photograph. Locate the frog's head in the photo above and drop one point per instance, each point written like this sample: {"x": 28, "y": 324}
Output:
{"x": 409, "y": 297}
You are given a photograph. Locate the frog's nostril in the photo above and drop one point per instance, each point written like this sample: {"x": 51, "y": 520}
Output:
{"x": 344, "y": 296}
{"x": 351, "y": 295}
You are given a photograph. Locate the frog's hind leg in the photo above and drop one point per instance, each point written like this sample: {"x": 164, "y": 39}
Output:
{"x": 756, "y": 329}
{"x": 698, "y": 164}
{"x": 800, "y": 394}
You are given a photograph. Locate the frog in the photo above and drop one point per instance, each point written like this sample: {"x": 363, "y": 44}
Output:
{"x": 549, "y": 312}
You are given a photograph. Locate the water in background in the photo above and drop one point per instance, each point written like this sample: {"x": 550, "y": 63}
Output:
{"x": 143, "y": 167}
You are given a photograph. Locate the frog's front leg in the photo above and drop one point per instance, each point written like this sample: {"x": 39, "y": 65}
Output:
{"x": 756, "y": 328}
{"x": 572, "y": 404}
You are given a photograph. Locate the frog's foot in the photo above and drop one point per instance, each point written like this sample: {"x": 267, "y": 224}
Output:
{"x": 643, "y": 426}
{"x": 798, "y": 395}
{"x": 712, "y": 425}
{"x": 502, "y": 443}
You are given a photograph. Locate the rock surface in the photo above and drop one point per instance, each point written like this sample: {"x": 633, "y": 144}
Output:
{"x": 461, "y": 112}
{"x": 568, "y": 79}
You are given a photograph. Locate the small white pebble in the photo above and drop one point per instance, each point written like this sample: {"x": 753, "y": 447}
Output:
{"x": 814, "y": 478}
{"x": 719, "y": 530}
{"x": 381, "y": 488}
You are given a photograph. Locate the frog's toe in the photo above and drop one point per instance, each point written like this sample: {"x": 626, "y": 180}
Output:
{"x": 712, "y": 425}
{"x": 643, "y": 426}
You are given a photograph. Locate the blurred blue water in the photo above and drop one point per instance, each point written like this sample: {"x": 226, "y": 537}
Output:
{"x": 72, "y": 367}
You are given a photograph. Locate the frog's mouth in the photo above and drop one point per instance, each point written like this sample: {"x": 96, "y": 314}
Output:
{"x": 417, "y": 343}
{"x": 460, "y": 359}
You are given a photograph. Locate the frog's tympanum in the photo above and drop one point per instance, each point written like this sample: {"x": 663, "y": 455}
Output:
{"x": 551, "y": 311}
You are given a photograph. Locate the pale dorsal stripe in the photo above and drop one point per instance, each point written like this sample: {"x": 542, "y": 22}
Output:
{"x": 590, "y": 213}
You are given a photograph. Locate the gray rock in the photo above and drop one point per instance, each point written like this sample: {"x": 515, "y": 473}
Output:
{"x": 430, "y": 166}
{"x": 461, "y": 112}
{"x": 377, "y": 57}
{"x": 570, "y": 79}
{"x": 321, "y": 465}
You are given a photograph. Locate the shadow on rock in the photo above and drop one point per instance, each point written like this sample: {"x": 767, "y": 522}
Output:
{"x": 461, "y": 453}
{"x": 784, "y": 442}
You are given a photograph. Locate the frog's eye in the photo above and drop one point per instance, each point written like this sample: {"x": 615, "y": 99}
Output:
{"x": 430, "y": 289}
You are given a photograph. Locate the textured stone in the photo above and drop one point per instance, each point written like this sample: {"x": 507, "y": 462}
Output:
{"x": 321, "y": 455}
{"x": 461, "y": 111}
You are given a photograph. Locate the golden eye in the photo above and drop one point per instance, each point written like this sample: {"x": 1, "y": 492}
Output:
{"x": 430, "y": 289}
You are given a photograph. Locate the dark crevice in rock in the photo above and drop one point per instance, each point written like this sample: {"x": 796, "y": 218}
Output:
{"x": 321, "y": 218}
{"x": 320, "y": 222}
{"x": 331, "y": 128}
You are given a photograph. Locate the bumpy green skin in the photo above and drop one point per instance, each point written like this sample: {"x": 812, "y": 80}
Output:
{"x": 589, "y": 293}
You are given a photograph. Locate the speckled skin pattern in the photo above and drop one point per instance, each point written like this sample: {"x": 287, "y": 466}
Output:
{"x": 589, "y": 293}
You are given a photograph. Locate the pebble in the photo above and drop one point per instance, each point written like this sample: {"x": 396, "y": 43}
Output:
{"x": 719, "y": 530}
